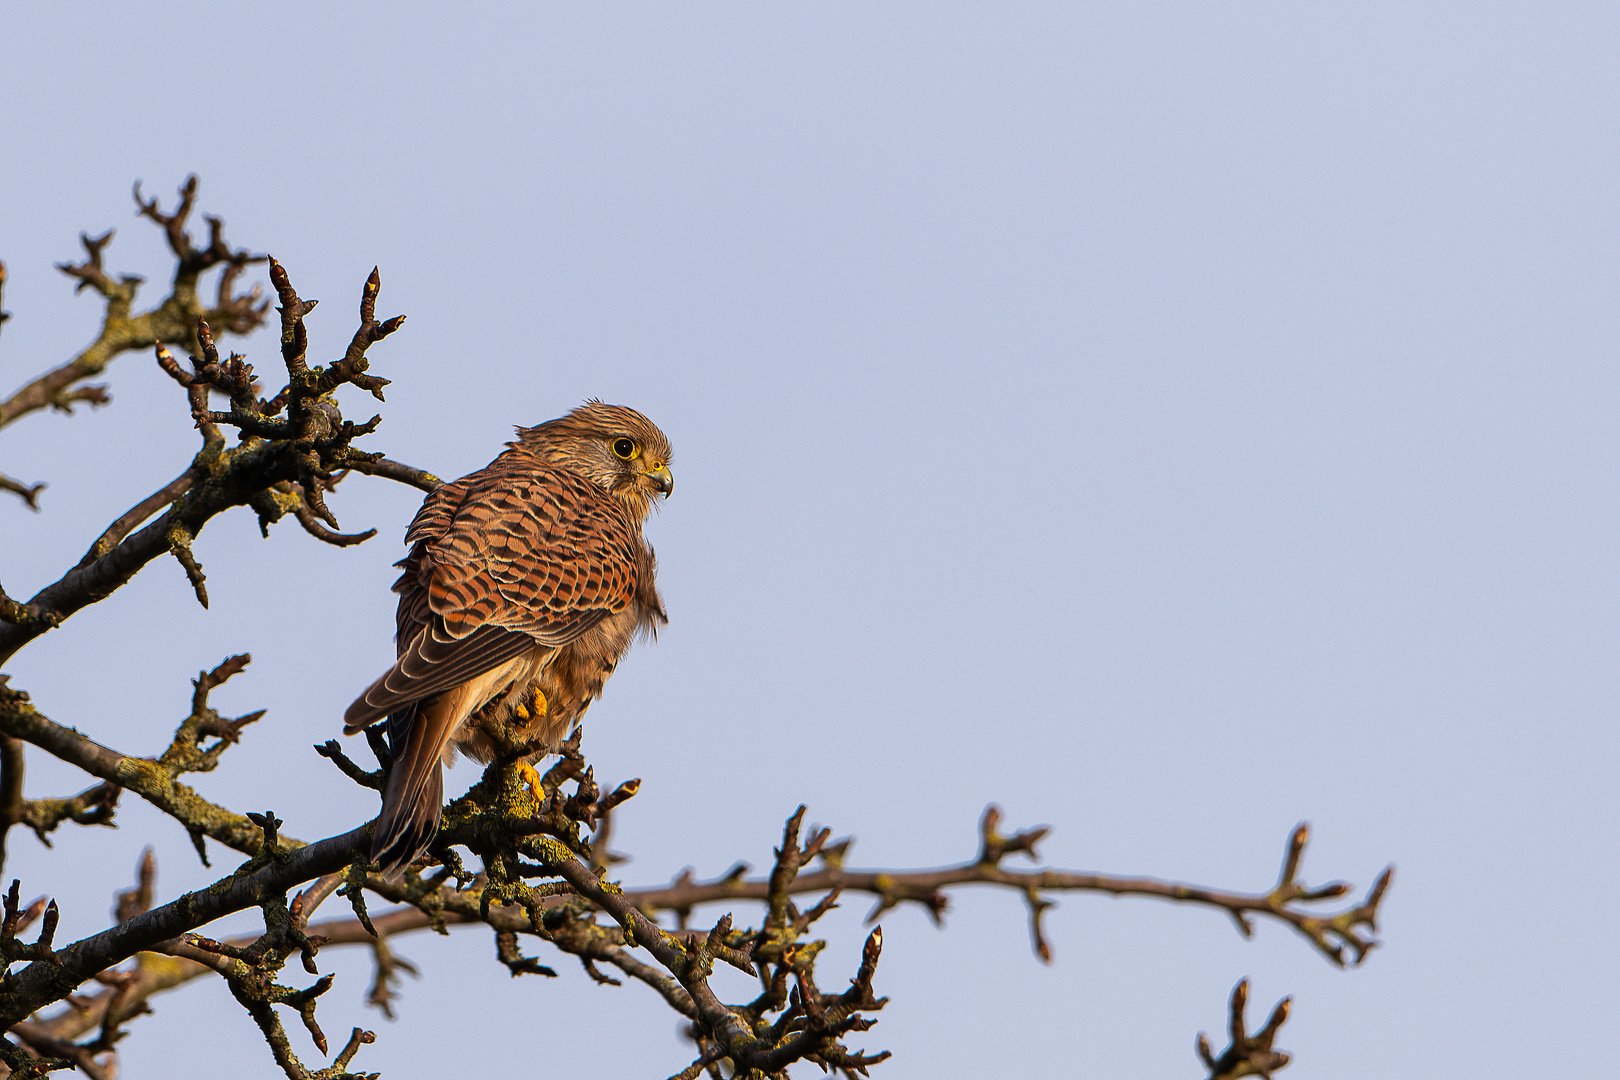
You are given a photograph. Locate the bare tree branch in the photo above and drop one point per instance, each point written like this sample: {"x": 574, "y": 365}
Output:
{"x": 154, "y": 779}
{"x": 11, "y": 788}
{"x": 305, "y": 449}
{"x": 1248, "y": 1055}
{"x": 393, "y": 470}
{"x": 1342, "y": 936}
{"x": 138, "y": 513}
{"x": 28, "y": 492}
{"x": 539, "y": 877}
{"x": 174, "y": 320}
{"x": 46, "y": 981}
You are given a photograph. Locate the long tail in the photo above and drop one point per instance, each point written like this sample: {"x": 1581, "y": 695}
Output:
{"x": 415, "y": 794}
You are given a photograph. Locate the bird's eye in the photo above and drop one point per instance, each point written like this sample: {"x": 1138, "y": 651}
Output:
{"x": 626, "y": 448}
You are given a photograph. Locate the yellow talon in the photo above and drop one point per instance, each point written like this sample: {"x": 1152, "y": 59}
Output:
{"x": 531, "y": 779}
{"x": 531, "y": 707}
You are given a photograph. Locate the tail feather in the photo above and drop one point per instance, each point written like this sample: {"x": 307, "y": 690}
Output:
{"x": 414, "y": 797}
{"x": 407, "y": 826}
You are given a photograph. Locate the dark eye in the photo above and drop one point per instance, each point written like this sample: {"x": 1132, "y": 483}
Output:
{"x": 626, "y": 448}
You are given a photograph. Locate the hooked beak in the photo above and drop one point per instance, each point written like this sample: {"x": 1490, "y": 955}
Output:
{"x": 662, "y": 480}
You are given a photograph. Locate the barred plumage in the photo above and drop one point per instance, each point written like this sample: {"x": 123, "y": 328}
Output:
{"x": 529, "y": 575}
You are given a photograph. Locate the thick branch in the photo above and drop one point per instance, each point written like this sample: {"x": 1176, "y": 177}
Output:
{"x": 812, "y": 1035}
{"x": 138, "y": 513}
{"x": 238, "y": 481}
{"x": 42, "y": 982}
{"x": 154, "y": 781}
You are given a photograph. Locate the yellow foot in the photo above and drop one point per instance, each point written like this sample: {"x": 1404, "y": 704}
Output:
{"x": 531, "y": 780}
{"x": 535, "y": 706}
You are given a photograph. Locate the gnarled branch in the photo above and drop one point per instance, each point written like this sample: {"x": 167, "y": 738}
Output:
{"x": 174, "y": 320}
{"x": 299, "y": 453}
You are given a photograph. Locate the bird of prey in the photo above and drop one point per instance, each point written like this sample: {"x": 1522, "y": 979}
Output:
{"x": 525, "y": 584}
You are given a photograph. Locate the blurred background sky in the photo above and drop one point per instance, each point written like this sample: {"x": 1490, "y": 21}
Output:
{"x": 1169, "y": 421}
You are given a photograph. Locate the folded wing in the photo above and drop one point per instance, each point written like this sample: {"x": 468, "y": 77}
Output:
{"x": 514, "y": 557}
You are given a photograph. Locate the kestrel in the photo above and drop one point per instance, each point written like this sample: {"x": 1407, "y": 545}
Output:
{"x": 525, "y": 584}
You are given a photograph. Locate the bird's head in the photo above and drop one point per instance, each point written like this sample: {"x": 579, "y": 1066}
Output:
{"x": 615, "y": 447}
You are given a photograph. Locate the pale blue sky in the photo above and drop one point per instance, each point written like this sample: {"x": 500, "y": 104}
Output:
{"x": 1170, "y": 421}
